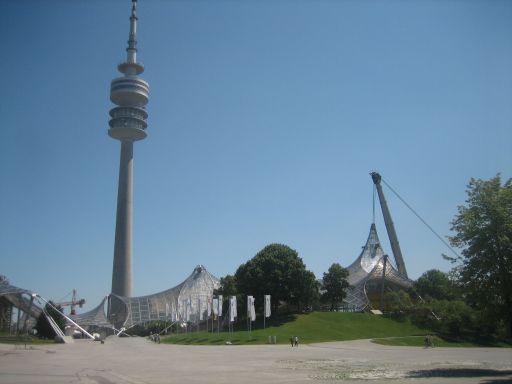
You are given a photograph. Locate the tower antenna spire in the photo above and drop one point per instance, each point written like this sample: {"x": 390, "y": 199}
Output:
{"x": 132, "y": 38}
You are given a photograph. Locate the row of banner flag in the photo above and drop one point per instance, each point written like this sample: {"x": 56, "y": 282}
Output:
{"x": 214, "y": 307}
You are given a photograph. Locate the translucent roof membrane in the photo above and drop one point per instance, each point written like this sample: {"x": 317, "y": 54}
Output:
{"x": 369, "y": 267}
{"x": 185, "y": 302}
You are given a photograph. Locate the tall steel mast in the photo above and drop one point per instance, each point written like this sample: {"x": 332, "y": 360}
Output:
{"x": 393, "y": 239}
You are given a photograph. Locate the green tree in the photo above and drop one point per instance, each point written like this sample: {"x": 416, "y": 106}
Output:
{"x": 228, "y": 287}
{"x": 455, "y": 317}
{"x": 398, "y": 303}
{"x": 335, "y": 285}
{"x": 306, "y": 291}
{"x": 276, "y": 270}
{"x": 449, "y": 317}
{"x": 483, "y": 228}
{"x": 43, "y": 327}
{"x": 423, "y": 316}
{"x": 435, "y": 284}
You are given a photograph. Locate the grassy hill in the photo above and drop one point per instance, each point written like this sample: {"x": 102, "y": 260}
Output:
{"x": 310, "y": 328}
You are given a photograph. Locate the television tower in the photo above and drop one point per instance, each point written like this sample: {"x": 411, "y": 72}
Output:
{"x": 127, "y": 124}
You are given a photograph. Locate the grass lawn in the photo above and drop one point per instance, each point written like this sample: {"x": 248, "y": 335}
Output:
{"x": 310, "y": 328}
{"x": 16, "y": 341}
{"x": 325, "y": 326}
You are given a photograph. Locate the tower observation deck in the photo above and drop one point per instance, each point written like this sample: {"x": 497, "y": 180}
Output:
{"x": 130, "y": 94}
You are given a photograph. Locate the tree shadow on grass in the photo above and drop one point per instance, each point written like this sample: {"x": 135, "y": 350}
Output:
{"x": 463, "y": 372}
{"x": 478, "y": 340}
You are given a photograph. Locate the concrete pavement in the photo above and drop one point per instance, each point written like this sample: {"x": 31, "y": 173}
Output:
{"x": 139, "y": 361}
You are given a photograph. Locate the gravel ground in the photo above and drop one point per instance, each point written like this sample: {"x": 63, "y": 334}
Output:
{"x": 138, "y": 361}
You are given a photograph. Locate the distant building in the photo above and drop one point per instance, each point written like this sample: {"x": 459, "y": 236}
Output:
{"x": 187, "y": 301}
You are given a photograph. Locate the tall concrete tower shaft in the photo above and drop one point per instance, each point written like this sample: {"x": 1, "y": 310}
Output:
{"x": 127, "y": 124}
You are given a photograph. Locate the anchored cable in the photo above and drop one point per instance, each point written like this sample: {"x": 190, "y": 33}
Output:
{"x": 422, "y": 220}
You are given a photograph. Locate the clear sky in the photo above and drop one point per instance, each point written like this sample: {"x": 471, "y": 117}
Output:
{"x": 265, "y": 119}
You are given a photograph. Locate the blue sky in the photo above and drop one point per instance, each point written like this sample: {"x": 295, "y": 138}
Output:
{"x": 265, "y": 119}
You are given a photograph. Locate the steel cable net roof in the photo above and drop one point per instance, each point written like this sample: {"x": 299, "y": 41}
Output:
{"x": 8, "y": 289}
{"x": 185, "y": 302}
{"x": 19, "y": 297}
{"x": 95, "y": 317}
{"x": 369, "y": 267}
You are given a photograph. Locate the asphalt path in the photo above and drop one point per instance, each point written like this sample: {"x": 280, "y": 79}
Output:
{"x": 140, "y": 361}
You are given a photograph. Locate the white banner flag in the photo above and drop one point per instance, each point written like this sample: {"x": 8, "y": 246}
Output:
{"x": 216, "y": 307}
{"x": 199, "y": 309}
{"x": 267, "y": 305}
{"x": 232, "y": 309}
{"x": 220, "y": 306}
{"x": 209, "y": 307}
{"x": 251, "y": 312}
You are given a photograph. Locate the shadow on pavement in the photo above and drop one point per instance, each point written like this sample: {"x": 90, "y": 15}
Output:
{"x": 463, "y": 372}
{"x": 497, "y": 381}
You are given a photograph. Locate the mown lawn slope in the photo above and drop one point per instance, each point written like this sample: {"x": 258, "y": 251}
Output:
{"x": 310, "y": 328}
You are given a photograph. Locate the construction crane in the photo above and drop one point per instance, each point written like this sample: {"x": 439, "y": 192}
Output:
{"x": 73, "y": 303}
{"x": 393, "y": 239}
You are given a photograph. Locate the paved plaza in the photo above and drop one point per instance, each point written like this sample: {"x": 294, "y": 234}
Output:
{"x": 138, "y": 361}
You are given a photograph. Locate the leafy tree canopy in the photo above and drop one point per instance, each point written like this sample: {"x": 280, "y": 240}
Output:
{"x": 483, "y": 229}
{"x": 277, "y": 270}
{"x": 435, "y": 284}
{"x": 43, "y": 327}
{"x": 455, "y": 317}
{"x": 227, "y": 286}
{"x": 398, "y": 303}
{"x": 335, "y": 285}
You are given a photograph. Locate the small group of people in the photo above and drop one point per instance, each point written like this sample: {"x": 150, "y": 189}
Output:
{"x": 294, "y": 341}
{"x": 155, "y": 337}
